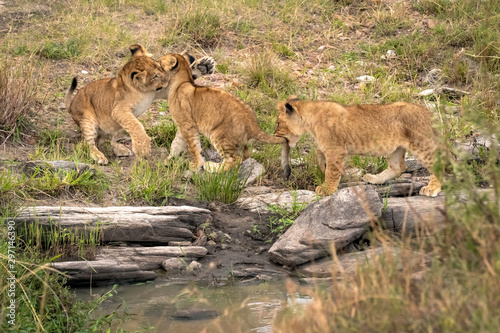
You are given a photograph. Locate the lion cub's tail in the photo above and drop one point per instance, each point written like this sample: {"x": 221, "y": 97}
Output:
{"x": 69, "y": 94}
{"x": 285, "y": 159}
{"x": 285, "y": 150}
{"x": 270, "y": 139}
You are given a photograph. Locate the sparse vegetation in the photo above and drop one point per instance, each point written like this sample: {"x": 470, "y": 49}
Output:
{"x": 265, "y": 51}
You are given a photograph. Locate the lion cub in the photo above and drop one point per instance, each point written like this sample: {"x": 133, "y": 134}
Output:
{"x": 226, "y": 121}
{"x": 379, "y": 130}
{"x": 112, "y": 105}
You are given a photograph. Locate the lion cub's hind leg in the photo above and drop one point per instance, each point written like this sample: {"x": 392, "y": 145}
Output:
{"x": 89, "y": 127}
{"x": 395, "y": 166}
{"x": 229, "y": 153}
{"x": 424, "y": 150}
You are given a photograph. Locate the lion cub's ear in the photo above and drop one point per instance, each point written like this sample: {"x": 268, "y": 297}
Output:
{"x": 292, "y": 98}
{"x": 289, "y": 109}
{"x": 285, "y": 107}
{"x": 189, "y": 58}
{"x": 168, "y": 62}
{"x": 138, "y": 77}
{"x": 138, "y": 51}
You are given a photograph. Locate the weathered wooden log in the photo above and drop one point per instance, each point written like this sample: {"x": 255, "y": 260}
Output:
{"x": 105, "y": 271}
{"x": 148, "y": 258}
{"x": 146, "y": 225}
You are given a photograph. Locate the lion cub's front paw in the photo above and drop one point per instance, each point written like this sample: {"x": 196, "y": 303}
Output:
{"x": 142, "y": 147}
{"x": 430, "y": 191}
{"x": 97, "y": 156}
{"x": 324, "y": 191}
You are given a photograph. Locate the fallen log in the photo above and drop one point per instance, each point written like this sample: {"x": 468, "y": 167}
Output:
{"x": 149, "y": 258}
{"x": 102, "y": 272}
{"x": 145, "y": 225}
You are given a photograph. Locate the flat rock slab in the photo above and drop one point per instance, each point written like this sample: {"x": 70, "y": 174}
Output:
{"x": 149, "y": 258}
{"x": 348, "y": 263}
{"x": 148, "y": 225}
{"x": 257, "y": 199}
{"x": 335, "y": 221}
{"x": 409, "y": 215}
{"x": 392, "y": 188}
{"x": 99, "y": 272}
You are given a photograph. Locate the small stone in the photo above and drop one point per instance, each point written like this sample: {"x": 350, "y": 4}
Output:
{"x": 223, "y": 246}
{"x": 365, "y": 78}
{"x": 211, "y": 242}
{"x": 390, "y": 54}
{"x": 194, "y": 265}
{"x": 406, "y": 175}
{"x": 427, "y": 92}
{"x": 84, "y": 72}
{"x": 173, "y": 264}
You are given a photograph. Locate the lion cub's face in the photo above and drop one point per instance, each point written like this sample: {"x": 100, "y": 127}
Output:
{"x": 287, "y": 123}
{"x": 145, "y": 73}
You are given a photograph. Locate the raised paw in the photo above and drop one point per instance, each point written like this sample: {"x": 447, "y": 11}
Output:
{"x": 205, "y": 65}
{"x": 142, "y": 147}
{"x": 97, "y": 156}
{"x": 430, "y": 191}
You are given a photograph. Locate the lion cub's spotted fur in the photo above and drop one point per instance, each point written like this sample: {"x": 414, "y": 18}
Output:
{"x": 226, "y": 121}
{"x": 377, "y": 130}
{"x": 111, "y": 105}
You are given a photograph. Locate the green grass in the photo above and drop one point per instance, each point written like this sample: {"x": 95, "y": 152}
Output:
{"x": 222, "y": 186}
{"x": 154, "y": 182}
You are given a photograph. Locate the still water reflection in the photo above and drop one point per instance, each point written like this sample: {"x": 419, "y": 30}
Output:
{"x": 243, "y": 308}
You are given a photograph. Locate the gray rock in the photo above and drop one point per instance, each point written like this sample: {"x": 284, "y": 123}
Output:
{"x": 250, "y": 170}
{"x": 258, "y": 200}
{"x": 407, "y": 215}
{"x": 348, "y": 263}
{"x": 193, "y": 266}
{"x": 33, "y": 167}
{"x": 174, "y": 264}
{"x": 334, "y": 221}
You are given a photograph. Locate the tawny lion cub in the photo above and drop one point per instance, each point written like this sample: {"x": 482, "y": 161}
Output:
{"x": 226, "y": 121}
{"x": 112, "y": 105}
{"x": 376, "y": 130}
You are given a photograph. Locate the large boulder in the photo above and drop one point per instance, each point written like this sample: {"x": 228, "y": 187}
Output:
{"x": 330, "y": 223}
